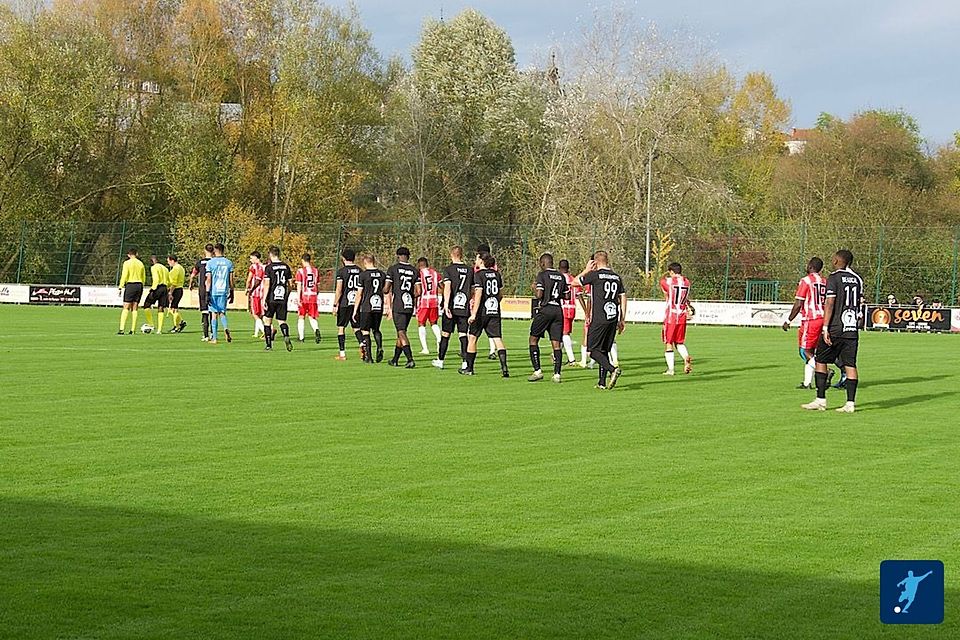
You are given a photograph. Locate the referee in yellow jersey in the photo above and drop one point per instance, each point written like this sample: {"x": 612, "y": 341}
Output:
{"x": 159, "y": 277}
{"x": 175, "y": 282}
{"x": 131, "y": 286}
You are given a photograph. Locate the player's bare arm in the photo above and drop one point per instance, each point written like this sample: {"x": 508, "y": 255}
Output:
{"x": 447, "y": 286}
{"x": 827, "y": 315}
{"x": 797, "y": 306}
{"x": 622, "y": 323}
{"x": 477, "y": 294}
{"x": 356, "y": 304}
{"x": 336, "y": 296}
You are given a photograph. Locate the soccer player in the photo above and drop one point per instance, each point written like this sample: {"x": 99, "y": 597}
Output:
{"x": 676, "y": 290}
{"x": 132, "y": 277}
{"x": 403, "y": 290}
{"x": 176, "y": 277}
{"x": 157, "y": 295}
{"x": 551, "y": 290}
{"x": 457, "y": 292}
{"x": 428, "y": 308}
{"x": 485, "y": 313}
{"x": 569, "y": 309}
{"x": 308, "y": 284}
{"x": 219, "y": 274}
{"x": 368, "y": 306}
{"x": 276, "y": 277}
{"x": 254, "y": 292}
{"x": 200, "y": 273}
{"x": 348, "y": 281}
{"x": 839, "y": 338}
{"x": 609, "y": 306}
{"x": 482, "y": 249}
{"x": 808, "y": 304}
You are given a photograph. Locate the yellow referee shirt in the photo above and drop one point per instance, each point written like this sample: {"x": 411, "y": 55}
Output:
{"x": 133, "y": 271}
{"x": 176, "y": 277}
{"x": 159, "y": 275}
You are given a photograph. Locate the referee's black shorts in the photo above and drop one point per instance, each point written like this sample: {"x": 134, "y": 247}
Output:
{"x": 156, "y": 296}
{"x": 132, "y": 292}
{"x": 176, "y": 297}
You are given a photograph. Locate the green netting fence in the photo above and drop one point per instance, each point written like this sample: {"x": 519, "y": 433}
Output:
{"x": 724, "y": 262}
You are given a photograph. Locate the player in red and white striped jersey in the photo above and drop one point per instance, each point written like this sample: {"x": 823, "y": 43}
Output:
{"x": 569, "y": 308}
{"x": 308, "y": 287}
{"x": 676, "y": 289}
{"x": 254, "y": 297}
{"x": 428, "y": 306}
{"x": 808, "y": 304}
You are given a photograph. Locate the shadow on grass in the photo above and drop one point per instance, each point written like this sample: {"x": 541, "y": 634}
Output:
{"x": 890, "y": 403}
{"x": 905, "y": 380}
{"x": 74, "y": 571}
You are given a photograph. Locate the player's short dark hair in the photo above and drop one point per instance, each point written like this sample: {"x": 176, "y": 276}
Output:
{"x": 489, "y": 261}
{"x": 131, "y": 251}
{"x": 274, "y": 251}
{"x": 154, "y": 258}
{"x": 349, "y": 254}
{"x": 564, "y": 265}
{"x": 172, "y": 257}
{"x": 815, "y": 265}
{"x": 546, "y": 259}
{"x": 423, "y": 260}
{"x": 676, "y": 267}
{"x": 846, "y": 256}
{"x": 457, "y": 252}
{"x": 219, "y": 247}
{"x": 208, "y": 248}
{"x": 403, "y": 252}
{"x": 482, "y": 249}
{"x": 306, "y": 257}
{"x": 255, "y": 254}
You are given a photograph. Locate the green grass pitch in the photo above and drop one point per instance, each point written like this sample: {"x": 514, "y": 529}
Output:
{"x": 158, "y": 487}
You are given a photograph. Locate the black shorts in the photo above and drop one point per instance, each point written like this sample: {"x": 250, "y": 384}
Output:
{"x": 177, "y": 296}
{"x": 401, "y": 320}
{"x": 601, "y": 336}
{"x": 843, "y": 351}
{"x": 132, "y": 292}
{"x": 486, "y": 324}
{"x": 157, "y": 297}
{"x": 549, "y": 320}
{"x": 460, "y": 323}
{"x": 370, "y": 320}
{"x": 345, "y": 317}
{"x": 276, "y": 309}
{"x": 204, "y": 300}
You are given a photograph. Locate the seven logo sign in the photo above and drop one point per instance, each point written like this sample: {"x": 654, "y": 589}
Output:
{"x": 911, "y": 592}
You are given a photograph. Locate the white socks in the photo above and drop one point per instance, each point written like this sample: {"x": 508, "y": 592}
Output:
{"x": 808, "y": 370}
{"x": 300, "y": 327}
{"x": 583, "y": 356}
{"x": 682, "y": 350}
{"x": 668, "y": 356}
{"x": 493, "y": 348}
{"x": 614, "y": 355}
{"x": 423, "y": 337}
{"x": 313, "y": 324}
{"x": 568, "y": 347}
{"x": 436, "y": 334}
{"x": 258, "y": 327}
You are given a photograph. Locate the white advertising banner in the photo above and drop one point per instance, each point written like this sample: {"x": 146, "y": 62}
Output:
{"x": 14, "y": 293}
{"x": 955, "y": 320}
{"x": 101, "y": 296}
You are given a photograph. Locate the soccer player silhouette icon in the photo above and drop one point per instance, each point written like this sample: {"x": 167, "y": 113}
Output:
{"x": 909, "y": 585}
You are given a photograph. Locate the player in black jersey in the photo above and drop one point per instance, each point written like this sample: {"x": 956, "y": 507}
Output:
{"x": 551, "y": 291}
{"x": 402, "y": 290}
{"x": 200, "y": 272}
{"x": 368, "y": 307}
{"x": 348, "y": 281}
{"x": 277, "y": 276}
{"x": 485, "y": 314}
{"x": 608, "y": 312}
{"x": 455, "y": 305}
{"x": 840, "y": 339}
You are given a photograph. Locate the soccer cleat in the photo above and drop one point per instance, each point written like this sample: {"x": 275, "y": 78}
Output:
{"x": 410, "y": 365}
{"x": 816, "y": 405}
{"x": 556, "y": 378}
{"x": 424, "y": 352}
{"x": 340, "y": 358}
{"x": 848, "y": 407}
{"x": 463, "y": 365}
{"x": 129, "y": 333}
{"x": 120, "y": 333}
{"x": 804, "y": 386}
{"x": 300, "y": 340}
{"x": 668, "y": 372}
{"x": 536, "y": 377}
{"x": 393, "y": 363}
{"x": 379, "y": 355}
{"x": 465, "y": 372}
{"x": 288, "y": 342}
{"x": 229, "y": 337}
{"x": 688, "y": 365}
{"x": 830, "y": 374}
{"x": 363, "y": 352}
{"x": 317, "y": 336}
{"x": 614, "y": 377}
{"x": 204, "y": 339}
{"x": 183, "y": 325}
{"x": 572, "y": 363}
{"x": 492, "y": 356}
{"x": 212, "y": 341}
{"x": 268, "y": 348}
{"x": 438, "y": 364}
{"x": 504, "y": 373}
{"x": 602, "y": 387}
{"x": 842, "y": 384}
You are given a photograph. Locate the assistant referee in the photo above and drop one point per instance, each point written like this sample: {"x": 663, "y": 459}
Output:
{"x": 131, "y": 287}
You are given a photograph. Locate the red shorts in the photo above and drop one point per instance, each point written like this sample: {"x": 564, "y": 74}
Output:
{"x": 428, "y": 315}
{"x": 567, "y": 325}
{"x": 256, "y": 304}
{"x": 308, "y": 308}
{"x": 809, "y": 334}
{"x": 675, "y": 332}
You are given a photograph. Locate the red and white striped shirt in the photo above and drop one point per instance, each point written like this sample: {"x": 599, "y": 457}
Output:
{"x": 429, "y": 288}
{"x": 813, "y": 291}
{"x": 308, "y": 282}
{"x": 677, "y": 290}
{"x": 256, "y": 277}
{"x": 569, "y": 305}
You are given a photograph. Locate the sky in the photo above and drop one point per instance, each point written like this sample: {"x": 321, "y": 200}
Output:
{"x": 839, "y": 56}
